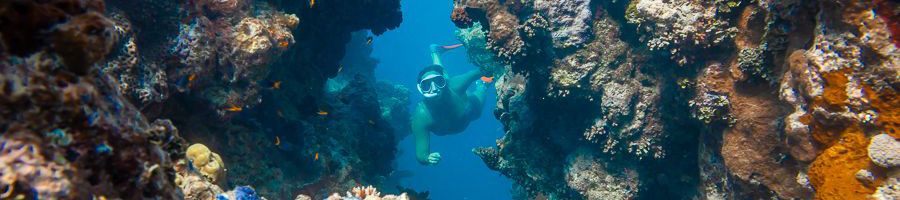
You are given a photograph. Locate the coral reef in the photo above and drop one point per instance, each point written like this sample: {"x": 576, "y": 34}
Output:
{"x": 67, "y": 133}
{"x": 679, "y": 25}
{"x": 82, "y": 79}
{"x": 783, "y": 97}
{"x": 474, "y": 39}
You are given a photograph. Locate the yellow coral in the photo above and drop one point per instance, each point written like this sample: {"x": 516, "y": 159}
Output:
{"x": 207, "y": 162}
{"x": 833, "y": 173}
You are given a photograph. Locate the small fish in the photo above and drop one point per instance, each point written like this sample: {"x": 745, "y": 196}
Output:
{"x": 234, "y": 108}
{"x": 103, "y": 148}
{"x": 192, "y": 77}
{"x": 369, "y": 40}
{"x": 280, "y": 113}
{"x": 340, "y": 67}
{"x": 283, "y": 44}
{"x": 317, "y": 156}
{"x": 487, "y": 79}
{"x": 276, "y": 85}
{"x": 322, "y": 113}
{"x": 371, "y": 122}
{"x": 277, "y": 141}
{"x": 312, "y": 3}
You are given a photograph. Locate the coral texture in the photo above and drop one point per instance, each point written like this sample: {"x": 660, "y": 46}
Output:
{"x": 884, "y": 151}
{"x": 366, "y": 193}
{"x": 783, "y": 96}
{"x": 207, "y": 162}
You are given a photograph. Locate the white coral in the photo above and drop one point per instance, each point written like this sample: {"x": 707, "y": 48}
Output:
{"x": 366, "y": 193}
{"x": 674, "y": 23}
{"x": 21, "y": 163}
{"x": 884, "y": 151}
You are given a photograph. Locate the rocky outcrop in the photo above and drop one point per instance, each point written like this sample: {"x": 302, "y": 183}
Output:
{"x": 82, "y": 80}
{"x": 782, "y": 96}
{"x": 67, "y": 133}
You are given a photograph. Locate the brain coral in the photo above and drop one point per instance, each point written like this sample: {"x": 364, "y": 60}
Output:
{"x": 208, "y": 163}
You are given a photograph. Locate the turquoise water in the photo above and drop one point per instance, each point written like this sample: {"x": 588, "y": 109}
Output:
{"x": 403, "y": 52}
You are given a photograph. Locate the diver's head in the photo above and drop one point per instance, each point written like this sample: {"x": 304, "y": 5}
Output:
{"x": 431, "y": 82}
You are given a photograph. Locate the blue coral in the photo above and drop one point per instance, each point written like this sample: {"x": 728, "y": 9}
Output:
{"x": 245, "y": 193}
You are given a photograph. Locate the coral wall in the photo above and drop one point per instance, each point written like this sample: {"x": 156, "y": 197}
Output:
{"x": 83, "y": 79}
{"x": 689, "y": 99}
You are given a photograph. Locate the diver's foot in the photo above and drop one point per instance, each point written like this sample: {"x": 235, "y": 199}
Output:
{"x": 487, "y": 79}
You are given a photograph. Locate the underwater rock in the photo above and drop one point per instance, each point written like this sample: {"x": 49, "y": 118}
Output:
{"x": 595, "y": 181}
{"x": 195, "y": 186}
{"x": 23, "y": 165}
{"x": 111, "y": 152}
{"x": 571, "y": 21}
{"x": 394, "y": 102}
{"x": 884, "y": 151}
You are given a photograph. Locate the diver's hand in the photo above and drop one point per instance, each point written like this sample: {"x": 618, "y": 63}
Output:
{"x": 434, "y": 158}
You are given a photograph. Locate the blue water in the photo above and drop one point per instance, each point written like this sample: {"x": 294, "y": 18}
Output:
{"x": 403, "y": 52}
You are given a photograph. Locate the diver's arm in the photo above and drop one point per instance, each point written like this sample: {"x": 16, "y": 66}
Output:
{"x": 460, "y": 83}
{"x": 421, "y": 119}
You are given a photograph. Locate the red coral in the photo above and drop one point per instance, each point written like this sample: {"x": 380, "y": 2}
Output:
{"x": 461, "y": 18}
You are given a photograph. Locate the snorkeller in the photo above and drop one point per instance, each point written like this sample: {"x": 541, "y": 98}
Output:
{"x": 447, "y": 107}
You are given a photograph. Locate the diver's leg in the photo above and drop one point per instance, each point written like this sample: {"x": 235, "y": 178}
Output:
{"x": 460, "y": 83}
{"x": 437, "y": 50}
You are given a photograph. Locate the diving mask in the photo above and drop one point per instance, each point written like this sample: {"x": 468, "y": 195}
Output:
{"x": 431, "y": 85}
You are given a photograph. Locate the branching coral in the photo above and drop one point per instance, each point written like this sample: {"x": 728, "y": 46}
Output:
{"x": 679, "y": 24}
{"x": 710, "y": 108}
{"x": 366, "y": 193}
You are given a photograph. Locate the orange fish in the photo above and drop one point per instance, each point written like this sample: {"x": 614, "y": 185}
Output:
{"x": 487, "y": 79}
{"x": 322, "y": 113}
{"x": 277, "y": 141}
{"x": 283, "y": 44}
{"x": 317, "y": 156}
{"x": 191, "y": 79}
{"x": 312, "y": 3}
{"x": 276, "y": 85}
{"x": 234, "y": 108}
